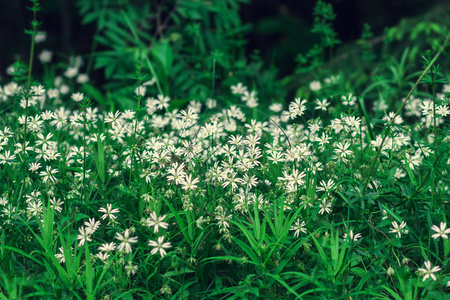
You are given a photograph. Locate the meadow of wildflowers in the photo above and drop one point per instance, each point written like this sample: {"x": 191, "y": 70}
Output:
{"x": 315, "y": 199}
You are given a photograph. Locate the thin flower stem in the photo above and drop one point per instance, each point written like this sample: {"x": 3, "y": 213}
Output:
{"x": 433, "y": 177}
{"x": 84, "y": 151}
{"x": 34, "y": 24}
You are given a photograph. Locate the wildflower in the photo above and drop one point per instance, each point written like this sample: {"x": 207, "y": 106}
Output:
{"x": 441, "y": 231}
{"x": 140, "y": 90}
{"x": 296, "y": 177}
{"x": 238, "y": 89}
{"x": 129, "y": 114}
{"x": 322, "y": 104}
{"x": 324, "y": 207}
{"x": 109, "y": 212}
{"x": 40, "y": 37}
{"x": 82, "y": 78}
{"x": 390, "y": 271}
{"x": 102, "y": 256}
{"x": 412, "y": 160}
{"x": 427, "y": 107}
{"x": 23, "y": 148}
{"x": 156, "y": 221}
{"x": 56, "y": 204}
{"x": 176, "y": 173}
{"x": 325, "y": 186}
{"x": 190, "y": 117}
{"x": 92, "y": 226}
{"x": 343, "y": 149}
{"x": 298, "y": 227}
{"x": 107, "y": 247}
{"x": 428, "y": 271}
{"x": 60, "y": 256}
{"x": 83, "y": 236}
{"x": 275, "y": 157}
{"x": 398, "y": 229}
{"x": 352, "y": 236}
{"x": 47, "y": 115}
{"x": 48, "y": 174}
{"x": 77, "y": 97}
{"x": 45, "y": 56}
{"x": 51, "y": 154}
{"x": 276, "y": 107}
{"x": 211, "y": 103}
{"x": 188, "y": 183}
{"x": 113, "y": 118}
{"x": 71, "y": 72}
{"x": 442, "y": 110}
{"x": 162, "y": 102}
{"x": 159, "y": 246}
{"x": 7, "y": 158}
{"x": 323, "y": 140}
{"x": 35, "y": 208}
{"x": 392, "y": 119}
{"x": 165, "y": 290}
{"x": 248, "y": 181}
{"x": 348, "y": 100}
{"x": 126, "y": 241}
{"x": 131, "y": 269}
{"x": 223, "y": 220}
{"x": 315, "y": 85}
{"x": 297, "y": 107}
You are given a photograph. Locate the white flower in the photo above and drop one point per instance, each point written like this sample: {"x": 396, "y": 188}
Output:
{"x": 325, "y": 207}
{"x": 45, "y": 56}
{"x": 399, "y": 229}
{"x": 40, "y": 37}
{"x": 441, "y": 231}
{"x": 298, "y": 227}
{"x": 322, "y": 104}
{"x": 428, "y": 271}
{"x": 349, "y": 100}
{"x": 107, "y": 247}
{"x": 108, "y": 212}
{"x": 131, "y": 269}
{"x": 156, "y": 221}
{"x": 159, "y": 246}
{"x": 92, "y": 226}
{"x": 315, "y": 85}
{"x": 56, "y": 204}
{"x": 126, "y": 241}
{"x": 77, "y": 97}
{"x": 188, "y": 183}
{"x": 238, "y": 89}
{"x": 48, "y": 174}
{"x": 83, "y": 236}
{"x": 352, "y": 236}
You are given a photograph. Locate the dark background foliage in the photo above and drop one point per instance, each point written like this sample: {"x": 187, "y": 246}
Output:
{"x": 280, "y": 28}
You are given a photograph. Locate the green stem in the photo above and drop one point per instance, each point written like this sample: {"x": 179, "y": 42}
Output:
{"x": 84, "y": 153}
{"x": 433, "y": 177}
{"x": 34, "y": 24}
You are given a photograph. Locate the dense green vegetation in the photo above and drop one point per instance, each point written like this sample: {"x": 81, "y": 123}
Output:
{"x": 196, "y": 172}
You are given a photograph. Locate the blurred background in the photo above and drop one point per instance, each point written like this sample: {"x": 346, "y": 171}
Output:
{"x": 200, "y": 48}
{"x": 280, "y": 29}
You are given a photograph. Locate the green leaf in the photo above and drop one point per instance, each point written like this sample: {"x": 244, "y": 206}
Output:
{"x": 95, "y": 94}
{"x": 179, "y": 221}
{"x": 163, "y": 52}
